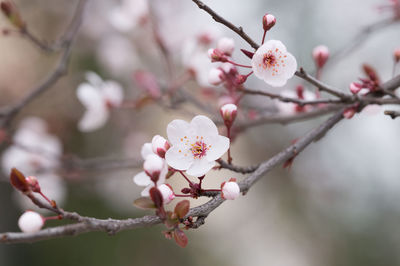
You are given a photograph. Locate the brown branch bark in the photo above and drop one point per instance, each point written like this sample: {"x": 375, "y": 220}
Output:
{"x": 9, "y": 112}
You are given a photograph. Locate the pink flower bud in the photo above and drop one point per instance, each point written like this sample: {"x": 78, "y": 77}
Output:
{"x": 349, "y": 112}
{"x": 226, "y": 46}
{"x": 153, "y": 166}
{"x": 30, "y": 222}
{"x": 320, "y": 55}
{"x": 167, "y": 193}
{"x": 33, "y": 183}
{"x": 217, "y": 56}
{"x": 240, "y": 79}
{"x": 268, "y": 21}
{"x": 230, "y": 190}
{"x": 228, "y": 113}
{"x": 397, "y": 55}
{"x": 160, "y": 145}
{"x": 355, "y": 87}
{"x": 228, "y": 68}
{"x": 215, "y": 76}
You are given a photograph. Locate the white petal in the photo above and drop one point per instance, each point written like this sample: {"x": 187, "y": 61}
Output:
{"x": 219, "y": 145}
{"x": 89, "y": 96}
{"x": 147, "y": 149}
{"x": 200, "y": 167}
{"x": 291, "y": 65}
{"x": 141, "y": 179}
{"x": 146, "y": 191}
{"x": 113, "y": 92}
{"x": 178, "y": 160}
{"x": 178, "y": 130}
{"x": 204, "y": 126}
{"x": 93, "y": 119}
{"x": 94, "y": 79}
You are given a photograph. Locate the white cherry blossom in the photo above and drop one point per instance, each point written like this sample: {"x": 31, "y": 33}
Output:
{"x": 194, "y": 146}
{"x": 152, "y": 163}
{"x": 30, "y": 222}
{"x": 273, "y": 64}
{"x": 36, "y": 152}
{"x": 128, "y": 14}
{"x": 98, "y": 97}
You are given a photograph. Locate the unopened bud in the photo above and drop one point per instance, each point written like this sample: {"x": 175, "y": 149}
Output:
{"x": 186, "y": 190}
{"x": 33, "y": 184}
{"x": 240, "y": 79}
{"x": 153, "y": 166}
{"x": 12, "y": 13}
{"x": 397, "y": 55}
{"x": 226, "y": 46}
{"x": 268, "y": 21}
{"x": 355, "y": 87}
{"x": 215, "y": 76}
{"x": 217, "y": 56}
{"x": 371, "y": 73}
{"x": 230, "y": 190}
{"x": 320, "y": 55}
{"x": 300, "y": 92}
{"x": 160, "y": 145}
{"x": 228, "y": 113}
{"x": 30, "y": 222}
{"x": 167, "y": 193}
{"x": 19, "y": 181}
{"x": 349, "y": 112}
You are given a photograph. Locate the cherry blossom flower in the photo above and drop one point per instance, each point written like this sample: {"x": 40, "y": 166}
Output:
{"x": 230, "y": 190}
{"x": 152, "y": 164}
{"x": 195, "y": 145}
{"x": 98, "y": 97}
{"x": 129, "y": 14}
{"x": 195, "y": 56}
{"x": 30, "y": 222}
{"x": 273, "y": 64}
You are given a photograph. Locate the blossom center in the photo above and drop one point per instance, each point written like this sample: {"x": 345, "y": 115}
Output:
{"x": 269, "y": 60}
{"x": 273, "y": 60}
{"x": 199, "y": 149}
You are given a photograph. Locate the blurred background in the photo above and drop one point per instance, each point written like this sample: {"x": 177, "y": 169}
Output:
{"x": 337, "y": 205}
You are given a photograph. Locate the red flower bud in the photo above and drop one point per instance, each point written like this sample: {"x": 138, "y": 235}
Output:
{"x": 320, "y": 55}
{"x": 268, "y": 21}
{"x": 19, "y": 181}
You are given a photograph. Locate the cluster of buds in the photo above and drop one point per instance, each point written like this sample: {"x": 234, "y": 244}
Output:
{"x": 366, "y": 85}
{"x": 224, "y": 50}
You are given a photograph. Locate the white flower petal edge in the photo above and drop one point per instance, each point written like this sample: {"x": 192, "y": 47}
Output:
{"x": 273, "y": 64}
{"x": 195, "y": 145}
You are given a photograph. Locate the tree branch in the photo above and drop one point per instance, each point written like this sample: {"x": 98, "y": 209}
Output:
{"x": 8, "y": 113}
